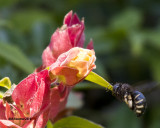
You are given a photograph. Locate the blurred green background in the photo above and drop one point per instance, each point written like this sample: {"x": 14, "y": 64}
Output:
{"x": 126, "y": 35}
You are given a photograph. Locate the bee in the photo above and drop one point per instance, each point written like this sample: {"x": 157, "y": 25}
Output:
{"x": 135, "y": 100}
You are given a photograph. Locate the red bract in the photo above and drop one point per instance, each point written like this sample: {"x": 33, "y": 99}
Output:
{"x": 70, "y": 35}
{"x": 31, "y": 100}
{"x": 59, "y": 96}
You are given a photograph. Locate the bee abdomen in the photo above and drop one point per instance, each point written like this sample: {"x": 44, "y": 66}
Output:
{"x": 139, "y": 103}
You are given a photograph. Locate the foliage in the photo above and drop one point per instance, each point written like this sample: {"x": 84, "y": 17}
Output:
{"x": 5, "y": 84}
{"x": 74, "y": 122}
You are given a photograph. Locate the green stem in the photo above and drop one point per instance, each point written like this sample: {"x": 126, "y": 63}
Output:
{"x": 95, "y": 78}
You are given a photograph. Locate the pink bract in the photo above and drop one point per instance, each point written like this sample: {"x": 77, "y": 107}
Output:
{"x": 70, "y": 35}
{"x": 31, "y": 100}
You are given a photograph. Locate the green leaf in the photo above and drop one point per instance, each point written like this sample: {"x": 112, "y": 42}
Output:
{"x": 5, "y": 82}
{"x": 49, "y": 124}
{"x": 95, "y": 78}
{"x": 2, "y": 91}
{"x": 1, "y": 95}
{"x": 75, "y": 122}
{"x": 16, "y": 57}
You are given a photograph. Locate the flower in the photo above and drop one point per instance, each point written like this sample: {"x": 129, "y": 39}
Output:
{"x": 72, "y": 66}
{"x": 31, "y": 102}
{"x": 70, "y": 35}
{"x": 65, "y": 63}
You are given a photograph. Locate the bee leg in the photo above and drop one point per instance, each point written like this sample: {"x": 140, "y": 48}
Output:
{"x": 128, "y": 100}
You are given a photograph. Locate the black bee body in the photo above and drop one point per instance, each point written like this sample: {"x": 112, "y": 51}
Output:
{"x": 139, "y": 102}
{"x": 134, "y": 99}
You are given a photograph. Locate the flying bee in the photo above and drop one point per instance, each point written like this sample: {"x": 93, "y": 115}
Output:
{"x": 134, "y": 99}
